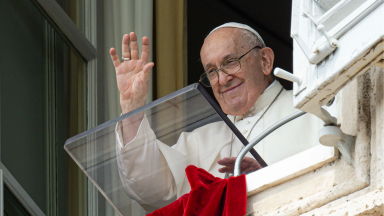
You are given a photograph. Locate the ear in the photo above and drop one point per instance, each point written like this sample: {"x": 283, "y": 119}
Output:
{"x": 267, "y": 58}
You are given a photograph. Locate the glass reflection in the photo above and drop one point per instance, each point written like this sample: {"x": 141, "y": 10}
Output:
{"x": 142, "y": 155}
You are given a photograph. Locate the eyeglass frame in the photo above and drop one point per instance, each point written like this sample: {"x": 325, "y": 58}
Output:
{"x": 202, "y": 76}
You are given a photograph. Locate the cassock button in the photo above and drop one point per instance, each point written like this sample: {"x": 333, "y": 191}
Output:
{"x": 247, "y": 122}
{"x": 244, "y": 131}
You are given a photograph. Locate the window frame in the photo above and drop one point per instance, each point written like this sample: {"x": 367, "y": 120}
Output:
{"x": 8, "y": 179}
{"x": 85, "y": 46}
{"x": 348, "y": 16}
{"x": 329, "y": 76}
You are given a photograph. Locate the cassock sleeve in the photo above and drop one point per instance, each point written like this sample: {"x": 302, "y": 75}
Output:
{"x": 147, "y": 176}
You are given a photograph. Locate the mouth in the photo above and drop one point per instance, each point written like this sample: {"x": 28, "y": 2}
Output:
{"x": 232, "y": 88}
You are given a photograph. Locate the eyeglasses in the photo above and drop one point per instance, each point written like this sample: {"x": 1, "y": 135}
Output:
{"x": 230, "y": 66}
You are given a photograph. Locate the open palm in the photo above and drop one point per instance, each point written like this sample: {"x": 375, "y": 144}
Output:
{"x": 132, "y": 75}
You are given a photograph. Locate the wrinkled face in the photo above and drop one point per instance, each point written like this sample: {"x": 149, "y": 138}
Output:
{"x": 238, "y": 92}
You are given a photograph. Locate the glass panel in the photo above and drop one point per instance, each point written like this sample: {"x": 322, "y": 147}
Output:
{"x": 160, "y": 139}
{"x": 69, "y": 120}
{"x": 342, "y": 13}
{"x": 74, "y": 9}
{"x": 327, "y": 4}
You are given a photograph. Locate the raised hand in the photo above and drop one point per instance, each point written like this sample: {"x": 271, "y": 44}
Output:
{"x": 247, "y": 165}
{"x": 132, "y": 75}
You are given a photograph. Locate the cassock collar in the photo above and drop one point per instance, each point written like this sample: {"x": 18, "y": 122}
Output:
{"x": 264, "y": 100}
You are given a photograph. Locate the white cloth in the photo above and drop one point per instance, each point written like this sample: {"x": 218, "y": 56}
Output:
{"x": 152, "y": 172}
{"x": 241, "y": 26}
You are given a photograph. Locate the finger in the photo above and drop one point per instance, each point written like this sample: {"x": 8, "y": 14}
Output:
{"x": 248, "y": 160}
{"x": 253, "y": 162}
{"x": 250, "y": 169}
{"x": 225, "y": 170}
{"x": 115, "y": 57}
{"x": 245, "y": 165}
{"x": 134, "y": 46}
{"x": 250, "y": 165}
{"x": 230, "y": 168}
{"x": 145, "y": 49}
{"x": 147, "y": 69}
{"x": 227, "y": 160}
{"x": 126, "y": 53}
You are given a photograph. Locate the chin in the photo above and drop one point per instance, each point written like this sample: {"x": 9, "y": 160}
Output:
{"x": 233, "y": 107}
{"x": 234, "y": 110}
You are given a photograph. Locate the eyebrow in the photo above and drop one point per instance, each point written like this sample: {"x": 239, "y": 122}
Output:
{"x": 224, "y": 58}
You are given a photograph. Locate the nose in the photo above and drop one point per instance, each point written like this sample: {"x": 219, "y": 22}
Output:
{"x": 224, "y": 78}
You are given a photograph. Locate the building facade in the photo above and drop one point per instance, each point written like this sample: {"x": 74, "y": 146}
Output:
{"x": 57, "y": 80}
{"x": 339, "y": 187}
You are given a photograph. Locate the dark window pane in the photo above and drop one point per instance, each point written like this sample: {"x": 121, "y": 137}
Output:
{"x": 12, "y": 206}
{"x": 23, "y": 97}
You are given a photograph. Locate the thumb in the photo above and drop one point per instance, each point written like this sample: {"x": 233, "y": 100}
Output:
{"x": 147, "y": 67}
{"x": 147, "y": 70}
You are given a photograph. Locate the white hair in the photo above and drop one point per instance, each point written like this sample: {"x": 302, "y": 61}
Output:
{"x": 250, "y": 40}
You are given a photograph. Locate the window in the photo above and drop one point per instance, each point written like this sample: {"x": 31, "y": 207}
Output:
{"x": 43, "y": 102}
{"x": 358, "y": 28}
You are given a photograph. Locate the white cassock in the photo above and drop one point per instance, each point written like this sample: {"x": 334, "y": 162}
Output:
{"x": 153, "y": 174}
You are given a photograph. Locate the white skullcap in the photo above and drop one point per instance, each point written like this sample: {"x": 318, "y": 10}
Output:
{"x": 242, "y": 26}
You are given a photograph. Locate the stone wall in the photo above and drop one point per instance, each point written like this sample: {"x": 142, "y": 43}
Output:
{"x": 340, "y": 188}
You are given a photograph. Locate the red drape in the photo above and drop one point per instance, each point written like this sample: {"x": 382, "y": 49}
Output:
{"x": 209, "y": 196}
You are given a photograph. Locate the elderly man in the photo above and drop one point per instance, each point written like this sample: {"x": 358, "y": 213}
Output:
{"x": 238, "y": 67}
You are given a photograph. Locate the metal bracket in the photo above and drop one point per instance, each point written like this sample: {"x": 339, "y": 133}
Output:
{"x": 321, "y": 28}
{"x": 333, "y": 136}
{"x": 316, "y": 54}
{"x": 301, "y": 83}
{"x": 287, "y": 76}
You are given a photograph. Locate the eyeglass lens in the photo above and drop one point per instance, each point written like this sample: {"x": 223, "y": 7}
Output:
{"x": 209, "y": 79}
